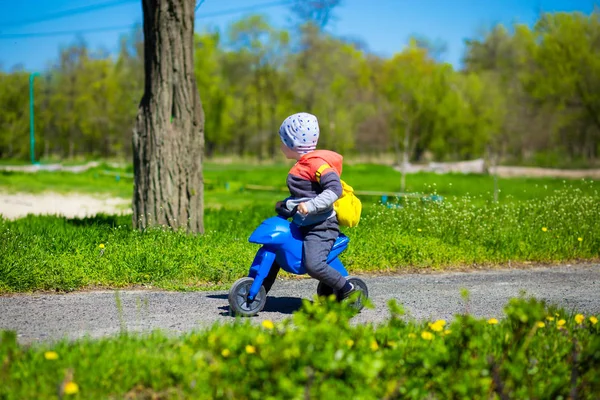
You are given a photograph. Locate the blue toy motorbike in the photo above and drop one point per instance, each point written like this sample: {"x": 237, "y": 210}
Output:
{"x": 281, "y": 243}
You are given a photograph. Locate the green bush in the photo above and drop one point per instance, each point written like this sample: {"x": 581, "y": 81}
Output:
{"x": 535, "y": 352}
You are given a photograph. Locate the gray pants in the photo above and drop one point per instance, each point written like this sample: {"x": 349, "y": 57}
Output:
{"x": 318, "y": 241}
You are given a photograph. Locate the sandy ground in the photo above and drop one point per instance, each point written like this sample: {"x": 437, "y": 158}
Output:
{"x": 72, "y": 205}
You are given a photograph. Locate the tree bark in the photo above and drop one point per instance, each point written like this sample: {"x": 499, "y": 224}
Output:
{"x": 168, "y": 139}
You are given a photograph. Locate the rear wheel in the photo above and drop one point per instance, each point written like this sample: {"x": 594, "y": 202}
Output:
{"x": 238, "y": 298}
{"x": 324, "y": 290}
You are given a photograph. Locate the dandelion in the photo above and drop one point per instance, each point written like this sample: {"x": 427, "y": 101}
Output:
{"x": 541, "y": 324}
{"x": 51, "y": 355}
{"x": 268, "y": 324}
{"x": 349, "y": 342}
{"x": 250, "y": 349}
{"x": 225, "y": 353}
{"x": 544, "y": 229}
{"x": 580, "y": 239}
{"x": 447, "y": 332}
{"x": 374, "y": 346}
{"x": 579, "y": 318}
{"x": 419, "y": 230}
{"x": 492, "y": 321}
{"x": 550, "y": 318}
{"x": 561, "y": 322}
{"x": 71, "y": 388}
{"x": 427, "y": 335}
{"x": 438, "y": 325}
{"x": 593, "y": 320}
{"x": 101, "y": 246}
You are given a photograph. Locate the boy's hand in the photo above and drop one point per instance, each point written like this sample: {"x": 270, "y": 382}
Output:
{"x": 302, "y": 209}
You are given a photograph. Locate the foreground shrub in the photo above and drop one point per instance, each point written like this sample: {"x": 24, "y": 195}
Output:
{"x": 534, "y": 352}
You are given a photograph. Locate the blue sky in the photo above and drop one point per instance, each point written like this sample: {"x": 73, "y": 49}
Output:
{"x": 384, "y": 25}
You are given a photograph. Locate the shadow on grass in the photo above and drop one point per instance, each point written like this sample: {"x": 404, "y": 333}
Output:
{"x": 101, "y": 220}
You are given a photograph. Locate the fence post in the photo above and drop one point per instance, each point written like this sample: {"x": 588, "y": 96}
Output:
{"x": 31, "y": 119}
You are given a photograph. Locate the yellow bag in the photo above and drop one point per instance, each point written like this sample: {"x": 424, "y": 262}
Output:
{"x": 348, "y": 207}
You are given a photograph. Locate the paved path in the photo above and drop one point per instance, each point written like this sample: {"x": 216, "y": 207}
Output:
{"x": 40, "y": 317}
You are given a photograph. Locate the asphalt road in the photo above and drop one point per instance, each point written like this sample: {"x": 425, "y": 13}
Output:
{"x": 49, "y": 317}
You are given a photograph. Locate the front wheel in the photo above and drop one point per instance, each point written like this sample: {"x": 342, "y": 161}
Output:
{"x": 238, "y": 298}
{"x": 362, "y": 289}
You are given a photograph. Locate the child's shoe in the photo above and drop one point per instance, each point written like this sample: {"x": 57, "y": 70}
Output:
{"x": 347, "y": 291}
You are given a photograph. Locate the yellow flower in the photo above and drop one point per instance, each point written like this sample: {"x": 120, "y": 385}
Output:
{"x": 51, "y": 355}
{"x": 250, "y": 349}
{"x": 267, "y": 324}
{"x": 579, "y": 318}
{"x": 427, "y": 335}
{"x": 101, "y": 246}
{"x": 225, "y": 353}
{"x": 71, "y": 388}
{"x": 492, "y": 321}
{"x": 550, "y": 318}
{"x": 419, "y": 230}
{"x": 593, "y": 320}
{"x": 447, "y": 332}
{"x": 412, "y": 335}
{"x": 545, "y": 229}
{"x": 374, "y": 346}
{"x": 541, "y": 324}
{"x": 349, "y": 342}
{"x": 438, "y": 325}
{"x": 580, "y": 239}
{"x": 561, "y": 322}
{"x": 392, "y": 344}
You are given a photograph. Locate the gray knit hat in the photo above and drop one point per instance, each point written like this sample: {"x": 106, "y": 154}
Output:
{"x": 300, "y": 132}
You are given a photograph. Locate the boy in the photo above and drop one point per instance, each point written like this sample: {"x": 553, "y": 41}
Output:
{"x": 316, "y": 217}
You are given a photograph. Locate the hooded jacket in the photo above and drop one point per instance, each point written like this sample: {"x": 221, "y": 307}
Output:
{"x": 304, "y": 187}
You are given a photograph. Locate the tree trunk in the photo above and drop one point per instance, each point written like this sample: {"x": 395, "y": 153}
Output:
{"x": 168, "y": 140}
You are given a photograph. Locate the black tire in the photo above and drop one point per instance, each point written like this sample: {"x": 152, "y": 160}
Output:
{"x": 238, "y": 298}
{"x": 364, "y": 291}
{"x": 324, "y": 290}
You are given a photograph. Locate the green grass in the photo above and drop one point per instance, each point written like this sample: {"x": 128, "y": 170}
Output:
{"x": 536, "y": 220}
{"x": 57, "y": 253}
{"x": 318, "y": 353}
{"x": 224, "y": 184}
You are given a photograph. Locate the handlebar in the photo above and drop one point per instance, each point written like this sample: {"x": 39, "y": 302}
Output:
{"x": 284, "y": 212}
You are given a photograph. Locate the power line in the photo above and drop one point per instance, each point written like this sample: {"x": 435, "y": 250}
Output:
{"x": 244, "y": 9}
{"x": 63, "y": 33}
{"x": 124, "y": 27}
{"x": 70, "y": 12}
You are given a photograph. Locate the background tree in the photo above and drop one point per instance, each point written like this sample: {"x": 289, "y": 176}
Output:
{"x": 526, "y": 95}
{"x": 168, "y": 139}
